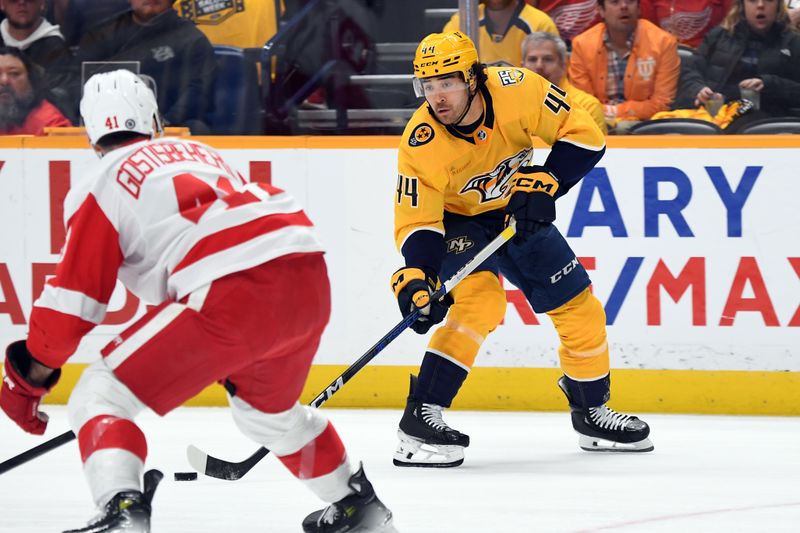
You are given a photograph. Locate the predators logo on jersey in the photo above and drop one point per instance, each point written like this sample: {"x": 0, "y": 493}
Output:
{"x": 493, "y": 185}
{"x": 422, "y": 134}
{"x": 511, "y": 76}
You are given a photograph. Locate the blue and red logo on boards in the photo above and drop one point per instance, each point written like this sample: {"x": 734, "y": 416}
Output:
{"x": 748, "y": 290}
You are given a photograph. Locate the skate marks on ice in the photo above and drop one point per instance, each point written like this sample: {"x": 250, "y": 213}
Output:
{"x": 523, "y": 472}
{"x": 671, "y": 522}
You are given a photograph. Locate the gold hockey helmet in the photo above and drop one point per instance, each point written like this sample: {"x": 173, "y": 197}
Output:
{"x": 445, "y": 53}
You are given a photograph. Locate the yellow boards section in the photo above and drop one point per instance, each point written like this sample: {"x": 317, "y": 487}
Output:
{"x": 534, "y": 389}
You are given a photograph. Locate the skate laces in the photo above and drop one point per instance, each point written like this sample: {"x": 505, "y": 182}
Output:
{"x": 607, "y": 418}
{"x": 432, "y": 415}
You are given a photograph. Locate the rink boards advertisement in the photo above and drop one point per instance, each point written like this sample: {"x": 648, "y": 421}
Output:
{"x": 692, "y": 247}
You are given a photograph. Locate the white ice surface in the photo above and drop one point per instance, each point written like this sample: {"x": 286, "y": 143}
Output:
{"x": 522, "y": 473}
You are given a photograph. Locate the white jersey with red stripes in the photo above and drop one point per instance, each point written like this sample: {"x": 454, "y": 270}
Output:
{"x": 165, "y": 217}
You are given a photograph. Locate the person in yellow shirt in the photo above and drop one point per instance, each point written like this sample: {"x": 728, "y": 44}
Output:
{"x": 464, "y": 168}
{"x": 503, "y": 24}
{"x": 243, "y": 24}
{"x": 546, "y": 55}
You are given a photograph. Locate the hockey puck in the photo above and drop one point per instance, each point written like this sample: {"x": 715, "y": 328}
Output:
{"x": 185, "y": 476}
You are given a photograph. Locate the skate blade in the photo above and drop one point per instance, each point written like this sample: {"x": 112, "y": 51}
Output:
{"x": 594, "y": 444}
{"x": 385, "y": 527}
{"x": 416, "y": 453}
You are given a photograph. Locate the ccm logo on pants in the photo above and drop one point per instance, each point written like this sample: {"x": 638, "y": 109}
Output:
{"x": 555, "y": 278}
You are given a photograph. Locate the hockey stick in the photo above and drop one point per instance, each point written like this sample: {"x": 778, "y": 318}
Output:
{"x": 222, "y": 469}
{"x": 36, "y": 451}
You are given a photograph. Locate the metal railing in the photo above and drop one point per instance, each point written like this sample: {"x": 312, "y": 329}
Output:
{"x": 321, "y": 119}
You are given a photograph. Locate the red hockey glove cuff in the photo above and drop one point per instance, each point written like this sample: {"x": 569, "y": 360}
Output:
{"x": 20, "y": 399}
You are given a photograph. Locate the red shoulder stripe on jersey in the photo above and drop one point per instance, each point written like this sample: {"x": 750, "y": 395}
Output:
{"x": 92, "y": 254}
{"x": 268, "y": 187}
{"x": 231, "y": 237}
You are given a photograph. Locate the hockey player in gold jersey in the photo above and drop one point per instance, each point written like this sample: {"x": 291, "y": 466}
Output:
{"x": 464, "y": 167}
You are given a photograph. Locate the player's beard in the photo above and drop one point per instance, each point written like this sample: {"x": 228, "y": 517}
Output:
{"x": 456, "y": 117}
{"x": 15, "y": 113}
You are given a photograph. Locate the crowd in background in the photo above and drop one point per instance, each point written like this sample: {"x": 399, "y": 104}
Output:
{"x": 725, "y": 61}
{"x": 168, "y": 42}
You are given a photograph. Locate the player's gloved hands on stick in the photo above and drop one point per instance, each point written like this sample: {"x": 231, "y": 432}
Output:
{"x": 532, "y": 203}
{"x": 413, "y": 288}
{"x": 22, "y": 391}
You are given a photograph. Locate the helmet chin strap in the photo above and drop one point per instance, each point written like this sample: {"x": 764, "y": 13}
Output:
{"x": 466, "y": 108}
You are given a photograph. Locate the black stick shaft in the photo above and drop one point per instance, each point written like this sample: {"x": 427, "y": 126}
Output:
{"x": 36, "y": 451}
{"x": 222, "y": 469}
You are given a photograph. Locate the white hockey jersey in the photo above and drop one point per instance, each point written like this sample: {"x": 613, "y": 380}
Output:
{"x": 165, "y": 217}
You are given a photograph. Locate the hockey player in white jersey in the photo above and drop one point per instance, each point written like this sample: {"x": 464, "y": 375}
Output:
{"x": 243, "y": 297}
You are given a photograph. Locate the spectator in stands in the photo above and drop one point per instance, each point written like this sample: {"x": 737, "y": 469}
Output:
{"x": 241, "y": 24}
{"x": 630, "y": 65}
{"x": 687, "y": 20}
{"x": 26, "y": 28}
{"x": 76, "y": 17}
{"x": 503, "y": 24}
{"x": 794, "y": 14}
{"x": 170, "y": 50}
{"x": 753, "y": 48}
{"x": 546, "y": 55}
{"x": 572, "y": 17}
{"x": 23, "y": 109}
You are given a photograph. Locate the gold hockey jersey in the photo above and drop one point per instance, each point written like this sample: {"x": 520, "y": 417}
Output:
{"x": 440, "y": 169}
{"x": 506, "y": 47}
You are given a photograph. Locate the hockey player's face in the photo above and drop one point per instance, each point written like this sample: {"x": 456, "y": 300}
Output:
{"x": 447, "y": 95}
{"x": 543, "y": 58}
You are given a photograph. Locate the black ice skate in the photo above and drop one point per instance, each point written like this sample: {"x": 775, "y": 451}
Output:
{"x": 602, "y": 429}
{"x": 128, "y": 511}
{"x": 359, "y": 512}
{"x": 425, "y": 439}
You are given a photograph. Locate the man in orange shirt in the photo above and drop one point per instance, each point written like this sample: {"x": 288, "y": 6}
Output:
{"x": 23, "y": 110}
{"x": 629, "y": 64}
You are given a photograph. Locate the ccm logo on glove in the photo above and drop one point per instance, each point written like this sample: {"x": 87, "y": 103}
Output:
{"x": 532, "y": 203}
{"x": 539, "y": 182}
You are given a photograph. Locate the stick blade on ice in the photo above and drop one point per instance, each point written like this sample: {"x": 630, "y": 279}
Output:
{"x": 198, "y": 459}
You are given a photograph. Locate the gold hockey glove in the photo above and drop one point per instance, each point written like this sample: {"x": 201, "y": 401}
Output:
{"x": 413, "y": 288}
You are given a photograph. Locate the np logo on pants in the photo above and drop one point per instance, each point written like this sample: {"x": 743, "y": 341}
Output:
{"x": 459, "y": 245}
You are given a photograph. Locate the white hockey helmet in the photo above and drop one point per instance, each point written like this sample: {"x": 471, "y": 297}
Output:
{"x": 118, "y": 101}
